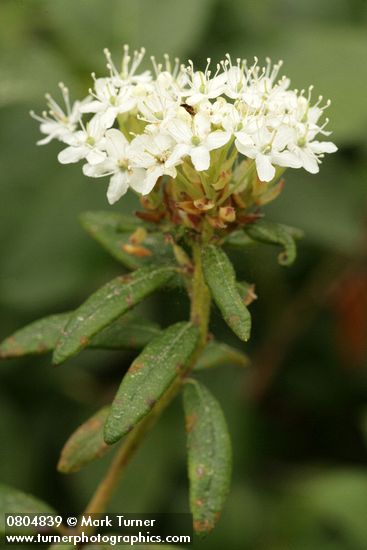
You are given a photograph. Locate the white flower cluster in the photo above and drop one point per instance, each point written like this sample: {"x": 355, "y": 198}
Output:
{"x": 143, "y": 126}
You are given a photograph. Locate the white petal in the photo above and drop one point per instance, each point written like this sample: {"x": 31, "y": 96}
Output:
{"x": 180, "y": 151}
{"x": 244, "y": 139}
{"x": 72, "y": 154}
{"x": 94, "y": 156}
{"x": 218, "y": 139}
{"x": 91, "y": 107}
{"x": 264, "y": 168}
{"x": 152, "y": 175}
{"x": 200, "y": 158}
{"x": 116, "y": 143}
{"x": 286, "y": 159}
{"x": 105, "y": 168}
{"x": 309, "y": 161}
{"x": 247, "y": 150}
{"x": 194, "y": 99}
{"x": 117, "y": 187}
{"x": 180, "y": 131}
{"x": 107, "y": 118}
{"x": 202, "y": 125}
{"x": 137, "y": 180}
{"x": 323, "y": 147}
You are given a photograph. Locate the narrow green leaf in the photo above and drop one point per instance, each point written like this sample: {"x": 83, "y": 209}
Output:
{"x": 149, "y": 376}
{"x": 113, "y": 231}
{"x": 13, "y": 501}
{"x": 221, "y": 280}
{"x": 274, "y": 233}
{"x": 239, "y": 239}
{"x": 216, "y": 354}
{"x": 41, "y": 336}
{"x": 106, "y": 305}
{"x": 94, "y": 221}
{"x": 85, "y": 444}
{"x": 128, "y": 332}
{"x": 36, "y": 338}
{"x": 209, "y": 455}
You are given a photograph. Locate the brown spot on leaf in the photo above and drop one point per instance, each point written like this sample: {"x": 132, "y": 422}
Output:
{"x": 233, "y": 319}
{"x": 138, "y": 251}
{"x": 84, "y": 341}
{"x": 203, "y": 526}
{"x": 151, "y": 402}
{"x": 179, "y": 367}
{"x": 200, "y": 471}
{"x": 135, "y": 367}
{"x": 190, "y": 422}
{"x": 199, "y": 502}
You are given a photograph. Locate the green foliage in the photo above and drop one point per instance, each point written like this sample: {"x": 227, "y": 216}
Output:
{"x": 221, "y": 280}
{"x": 85, "y": 444}
{"x": 209, "y": 456}
{"x": 106, "y": 305}
{"x": 266, "y": 231}
{"x": 217, "y": 354}
{"x": 149, "y": 376}
{"x": 113, "y": 231}
{"x": 13, "y": 501}
{"x": 37, "y": 338}
{"x": 128, "y": 332}
{"x": 309, "y": 416}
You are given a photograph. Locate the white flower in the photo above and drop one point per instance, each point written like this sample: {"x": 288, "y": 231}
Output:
{"x": 269, "y": 150}
{"x": 88, "y": 143}
{"x": 153, "y": 153}
{"x": 309, "y": 152}
{"x": 195, "y": 138}
{"x": 129, "y": 66}
{"x": 202, "y": 86}
{"x": 118, "y": 166}
{"x": 109, "y": 101}
{"x": 175, "y": 114}
{"x": 59, "y": 123}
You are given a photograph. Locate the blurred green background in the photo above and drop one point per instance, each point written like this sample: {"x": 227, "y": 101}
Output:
{"x": 298, "y": 417}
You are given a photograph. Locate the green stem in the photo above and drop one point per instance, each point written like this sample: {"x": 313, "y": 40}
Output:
{"x": 200, "y": 297}
{"x": 200, "y": 310}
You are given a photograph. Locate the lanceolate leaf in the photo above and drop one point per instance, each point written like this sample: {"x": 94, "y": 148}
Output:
{"x": 129, "y": 332}
{"x": 149, "y": 376}
{"x": 220, "y": 277}
{"x": 275, "y": 233}
{"x": 126, "y": 333}
{"x": 113, "y": 231}
{"x": 13, "y": 501}
{"x": 106, "y": 305}
{"x": 37, "y": 338}
{"x": 209, "y": 455}
{"x": 239, "y": 239}
{"x": 216, "y": 354}
{"x": 85, "y": 444}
